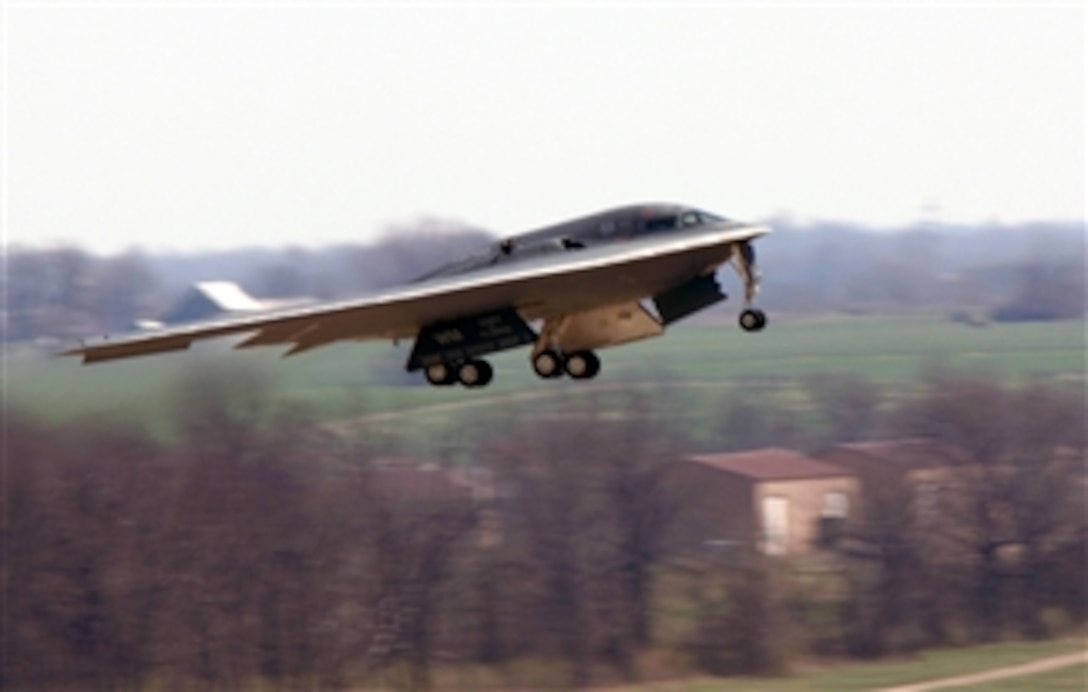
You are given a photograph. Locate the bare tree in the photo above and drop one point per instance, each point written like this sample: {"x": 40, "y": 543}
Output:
{"x": 79, "y": 541}
{"x": 896, "y": 597}
{"x": 1013, "y": 498}
{"x": 849, "y": 405}
{"x": 742, "y": 627}
{"x": 412, "y": 543}
{"x": 756, "y": 420}
{"x": 552, "y": 513}
{"x": 635, "y": 454}
{"x": 586, "y": 507}
{"x": 256, "y": 558}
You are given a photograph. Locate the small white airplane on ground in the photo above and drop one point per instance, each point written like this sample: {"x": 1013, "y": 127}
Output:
{"x": 584, "y": 281}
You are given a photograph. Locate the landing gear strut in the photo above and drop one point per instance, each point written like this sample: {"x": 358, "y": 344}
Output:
{"x": 751, "y": 319}
{"x": 549, "y": 361}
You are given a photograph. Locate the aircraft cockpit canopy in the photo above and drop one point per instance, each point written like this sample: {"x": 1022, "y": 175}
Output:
{"x": 689, "y": 218}
{"x": 707, "y": 217}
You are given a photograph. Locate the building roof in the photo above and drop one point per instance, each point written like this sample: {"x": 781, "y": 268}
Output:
{"x": 914, "y": 451}
{"x": 771, "y": 464}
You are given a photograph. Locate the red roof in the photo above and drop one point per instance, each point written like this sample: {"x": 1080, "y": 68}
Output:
{"x": 771, "y": 464}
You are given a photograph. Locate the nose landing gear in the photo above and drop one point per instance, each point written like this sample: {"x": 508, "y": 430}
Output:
{"x": 752, "y": 320}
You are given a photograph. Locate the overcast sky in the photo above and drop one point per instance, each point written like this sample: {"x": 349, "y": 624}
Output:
{"x": 192, "y": 126}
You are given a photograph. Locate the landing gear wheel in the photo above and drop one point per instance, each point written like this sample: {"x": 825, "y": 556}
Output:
{"x": 474, "y": 373}
{"x": 439, "y": 374}
{"x": 548, "y": 364}
{"x": 753, "y": 320}
{"x": 582, "y": 365}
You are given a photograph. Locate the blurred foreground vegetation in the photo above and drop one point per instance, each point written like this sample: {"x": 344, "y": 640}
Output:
{"x": 256, "y": 546}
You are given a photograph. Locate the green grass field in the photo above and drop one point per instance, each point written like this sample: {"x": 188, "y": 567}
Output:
{"x": 1069, "y": 678}
{"x": 927, "y": 666}
{"x": 356, "y": 379}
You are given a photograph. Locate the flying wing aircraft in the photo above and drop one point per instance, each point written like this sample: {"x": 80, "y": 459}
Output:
{"x": 593, "y": 282}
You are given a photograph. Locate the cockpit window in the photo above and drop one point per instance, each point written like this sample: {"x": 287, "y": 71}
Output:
{"x": 660, "y": 223}
{"x": 690, "y": 219}
{"x": 711, "y": 218}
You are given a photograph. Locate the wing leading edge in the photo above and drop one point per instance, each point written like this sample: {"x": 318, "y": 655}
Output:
{"x": 575, "y": 281}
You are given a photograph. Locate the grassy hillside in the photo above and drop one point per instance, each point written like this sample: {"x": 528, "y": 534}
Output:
{"x": 355, "y": 379}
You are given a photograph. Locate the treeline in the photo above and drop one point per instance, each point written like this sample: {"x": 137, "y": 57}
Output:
{"x": 67, "y": 292}
{"x": 1027, "y": 272}
{"x": 250, "y": 548}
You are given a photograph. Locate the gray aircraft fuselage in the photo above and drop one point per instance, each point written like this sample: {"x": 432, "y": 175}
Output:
{"x": 615, "y": 225}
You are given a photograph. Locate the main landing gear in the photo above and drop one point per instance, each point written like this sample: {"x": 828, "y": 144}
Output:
{"x": 471, "y": 373}
{"x": 579, "y": 365}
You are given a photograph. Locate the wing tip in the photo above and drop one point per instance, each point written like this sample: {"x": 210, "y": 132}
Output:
{"x": 107, "y": 350}
{"x": 80, "y": 350}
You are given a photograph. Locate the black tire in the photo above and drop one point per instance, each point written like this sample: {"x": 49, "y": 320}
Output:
{"x": 582, "y": 365}
{"x": 475, "y": 373}
{"x": 752, "y": 320}
{"x": 486, "y": 373}
{"x": 548, "y": 364}
{"x": 439, "y": 374}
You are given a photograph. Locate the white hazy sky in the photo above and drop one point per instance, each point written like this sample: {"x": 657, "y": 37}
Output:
{"x": 192, "y": 126}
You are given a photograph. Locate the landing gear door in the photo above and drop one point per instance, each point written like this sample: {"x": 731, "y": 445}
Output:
{"x": 607, "y": 326}
{"x": 469, "y": 337}
{"x": 681, "y": 301}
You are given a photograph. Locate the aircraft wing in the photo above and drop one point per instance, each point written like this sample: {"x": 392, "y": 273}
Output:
{"x": 559, "y": 284}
